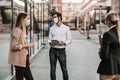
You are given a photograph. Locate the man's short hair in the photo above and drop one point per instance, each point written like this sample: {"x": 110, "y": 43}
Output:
{"x": 58, "y": 14}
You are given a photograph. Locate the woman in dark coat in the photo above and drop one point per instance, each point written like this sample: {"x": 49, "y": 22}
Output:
{"x": 109, "y": 67}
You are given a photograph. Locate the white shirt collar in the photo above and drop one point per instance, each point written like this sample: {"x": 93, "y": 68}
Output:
{"x": 59, "y": 26}
{"x": 112, "y": 27}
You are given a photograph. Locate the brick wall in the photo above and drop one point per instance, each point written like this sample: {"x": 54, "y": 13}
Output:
{"x": 60, "y": 6}
{"x": 115, "y": 5}
{"x": 57, "y": 5}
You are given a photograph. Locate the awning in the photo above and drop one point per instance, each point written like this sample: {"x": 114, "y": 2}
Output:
{"x": 88, "y": 8}
{"x": 5, "y": 3}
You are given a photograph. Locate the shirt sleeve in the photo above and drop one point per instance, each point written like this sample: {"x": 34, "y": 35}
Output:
{"x": 50, "y": 36}
{"x": 68, "y": 37}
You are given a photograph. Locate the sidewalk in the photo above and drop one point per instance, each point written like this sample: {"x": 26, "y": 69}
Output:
{"x": 40, "y": 62}
{"x": 90, "y": 31}
{"x": 4, "y": 37}
{"x": 4, "y": 50}
{"x": 81, "y": 66}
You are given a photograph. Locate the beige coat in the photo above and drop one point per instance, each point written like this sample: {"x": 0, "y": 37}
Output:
{"x": 17, "y": 55}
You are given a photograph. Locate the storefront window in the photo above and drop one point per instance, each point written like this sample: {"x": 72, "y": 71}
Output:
{"x": 45, "y": 22}
{"x": 5, "y": 29}
{"x": 37, "y": 34}
{"x": 6, "y": 25}
{"x": 35, "y": 30}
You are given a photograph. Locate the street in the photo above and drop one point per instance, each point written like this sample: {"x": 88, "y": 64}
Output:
{"x": 82, "y": 60}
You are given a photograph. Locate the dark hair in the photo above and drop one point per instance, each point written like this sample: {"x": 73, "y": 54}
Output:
{"x": 58, "y": 14}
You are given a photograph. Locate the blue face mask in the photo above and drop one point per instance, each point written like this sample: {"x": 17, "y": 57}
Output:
{"x": 27, "y": 23}
{"x": 55, "y": 20}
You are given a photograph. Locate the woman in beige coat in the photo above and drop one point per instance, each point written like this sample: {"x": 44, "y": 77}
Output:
{"x": 18, "y": 55}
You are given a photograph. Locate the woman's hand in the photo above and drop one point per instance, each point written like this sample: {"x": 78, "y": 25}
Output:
{"x": 52, "y": 44}
{"x": 31, "y": 45}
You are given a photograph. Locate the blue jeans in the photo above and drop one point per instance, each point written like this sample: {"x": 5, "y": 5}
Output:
{"x": 60, "y": 55}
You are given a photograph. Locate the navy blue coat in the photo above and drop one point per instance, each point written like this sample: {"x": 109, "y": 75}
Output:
{"x": 110, "y": 53}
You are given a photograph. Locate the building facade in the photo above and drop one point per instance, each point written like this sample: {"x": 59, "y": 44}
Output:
{"x": 70, "y": 14}
{"x": 38, "y": 34}
{"x": 116, "y": 5}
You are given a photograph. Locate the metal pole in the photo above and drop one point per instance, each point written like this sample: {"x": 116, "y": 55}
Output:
{"x": 100, "y": 25}
{"x": 11, "y": 29}
{"x": 33, "y": 24}
{"x": 30, "y": 27}
{"x": 85, "y": 18}
{"x": 88, "y": 29}
{"x": 77, "y": 22}
{"x": 100, "y": 20}
{"x": 88, "y": 22}
{"x": 119, "y": 8}
{"x": 12, "y": 14}
{"x": 48, "y": 21}
{"x": 38, "y": 27}
{"x": 43, "y": 24}
{"x": 25, "y": 5}
{"x": 100, "y": 14}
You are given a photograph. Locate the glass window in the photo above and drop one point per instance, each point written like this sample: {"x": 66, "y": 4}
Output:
{"x": 5, "y": 29}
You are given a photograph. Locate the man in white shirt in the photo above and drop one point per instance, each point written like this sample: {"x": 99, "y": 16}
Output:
{"x": 59, "y": 37}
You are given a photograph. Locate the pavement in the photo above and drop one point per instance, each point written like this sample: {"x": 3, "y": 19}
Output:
{"x": 4, "y": 50}
{"x": 91, "y": 31}
{"x": 82, "y": 59}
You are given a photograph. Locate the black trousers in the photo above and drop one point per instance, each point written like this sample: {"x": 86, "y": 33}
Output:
{"x": 23, "y": 72}
{"x": 60, "y": 55}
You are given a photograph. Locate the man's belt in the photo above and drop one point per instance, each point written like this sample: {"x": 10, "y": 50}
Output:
{"x": 57, "y": 48}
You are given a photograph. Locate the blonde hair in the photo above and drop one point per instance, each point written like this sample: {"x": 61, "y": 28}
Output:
{"x": 113, "y": 17}
{"x": 23, "y": 26}
{"x": 20, "y": 22}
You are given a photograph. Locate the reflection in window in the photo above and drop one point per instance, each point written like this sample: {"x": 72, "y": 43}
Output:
{"x": 6, "y": 16}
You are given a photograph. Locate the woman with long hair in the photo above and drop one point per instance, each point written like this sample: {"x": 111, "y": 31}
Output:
{"x": 109, "y": 67}
{"x": 18, "y": 55}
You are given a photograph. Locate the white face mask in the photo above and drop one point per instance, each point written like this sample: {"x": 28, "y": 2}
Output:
{"x": 27, "y": 23}
{"x": 55, "y": 20}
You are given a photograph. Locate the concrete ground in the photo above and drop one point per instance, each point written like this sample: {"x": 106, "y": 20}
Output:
{"x": 82, "y": 59}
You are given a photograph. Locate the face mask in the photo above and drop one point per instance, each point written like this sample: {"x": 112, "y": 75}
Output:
{"x": 27, "y": 23}
{"x": 55, "y": 20}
